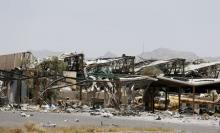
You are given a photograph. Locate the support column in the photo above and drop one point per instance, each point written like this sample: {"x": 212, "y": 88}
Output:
{"x": 80, "y": 93}
{"x": 146, "y": 99}
{"x": 213, "y": 106}
{"x": 193, "y": 99}
{"x": 166, "y": 100}
{"x": 179, "y": 99}
{"x": 153, "y": 102}
{"x": 18, "y": 87}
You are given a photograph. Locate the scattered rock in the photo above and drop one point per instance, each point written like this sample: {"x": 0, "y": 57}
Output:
{"x": 49, "y": 125}
{"x": 106, "y": 115}
{"x": 76, "y": 120}
{"x": 177, "y": 115}
{"x": 168, "y": 112}
{"x": 158, "y": 118}
{"x": 69, "y": 110}
{"x": 24, "y": 115}
{"x": 85, "y": 108}
{"x": 95, "y": 113}
{"x": 115, "y": 125}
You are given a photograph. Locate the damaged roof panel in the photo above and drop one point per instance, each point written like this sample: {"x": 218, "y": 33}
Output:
{"x": 151, "y": 64}
{"x": 138, "y": 78}
{"x": 190, "y": 83}
{"x": 199, "y": 66}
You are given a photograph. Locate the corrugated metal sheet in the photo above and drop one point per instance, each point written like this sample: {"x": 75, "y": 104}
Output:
{"x": 190, "y": 83}
{"x": 152, "y": 64}
{"x": 199, "y": 66}
{"x": 12, "y": 61}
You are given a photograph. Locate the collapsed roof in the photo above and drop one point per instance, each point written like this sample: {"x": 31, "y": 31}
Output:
{"x": 192, "y": 67}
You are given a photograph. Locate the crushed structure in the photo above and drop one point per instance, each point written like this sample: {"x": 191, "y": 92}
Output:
{"x": 71, "y": 83}
{"x": 14, "y": 68}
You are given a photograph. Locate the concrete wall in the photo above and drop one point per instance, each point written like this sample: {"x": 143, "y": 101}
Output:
{"x": 71, "y": 74}
{"x": 11, "y": 61}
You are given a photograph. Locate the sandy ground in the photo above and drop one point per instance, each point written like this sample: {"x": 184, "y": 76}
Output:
{"x": 191, "y": 125}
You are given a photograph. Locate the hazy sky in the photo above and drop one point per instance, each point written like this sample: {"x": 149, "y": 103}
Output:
{"x": 120, "y": 26}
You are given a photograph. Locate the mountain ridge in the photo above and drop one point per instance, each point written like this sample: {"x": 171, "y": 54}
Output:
{"x": 165, "y": 53}
{"x": 159, "y": 53}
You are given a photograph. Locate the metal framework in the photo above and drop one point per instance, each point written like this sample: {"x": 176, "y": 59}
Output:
{"x": 75, "y": 62}
{"x": 119, "y": 65}
{"x": 175, "y": 67}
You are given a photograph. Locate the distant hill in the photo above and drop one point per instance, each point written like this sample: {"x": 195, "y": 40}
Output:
{"x": 211, "y": 59}
{"x": 160, "y": 53}
{"x": 45, "y": 53}
{"x": 164, "y": 53}
{"x": 108, "y": 55}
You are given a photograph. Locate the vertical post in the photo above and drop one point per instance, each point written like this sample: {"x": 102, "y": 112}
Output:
{"x": 175, "y": 67}
{"x": 213, "y": 106}
{"x": 37, "y": 90}
{"x": 153, "y": 109}
{"x": 166, "y": 100}
{"x": 133, "y": 65}
{"x": 193, "y": 99}
{"x": 118, "y": 89}
{"x": 183, "y": 68}
{"x": 146, "y": 98}
{"x": 80, "y": 93}
{"x": 179, "y": 99}
{"x": 19, "y": 85}
{"x": 153, "y": 102}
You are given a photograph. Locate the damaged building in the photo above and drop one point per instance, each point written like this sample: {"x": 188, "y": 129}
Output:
{"x": 120, "y": 82}
{"x": 109, "y": 82}
{"x": 184, "y": 85}
{"x": 116, "y": 82}
{"x": 14, "y": 68}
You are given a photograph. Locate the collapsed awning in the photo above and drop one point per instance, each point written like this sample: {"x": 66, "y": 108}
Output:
{"x": 138, "y": 78}
{"x": 190, "y": 83}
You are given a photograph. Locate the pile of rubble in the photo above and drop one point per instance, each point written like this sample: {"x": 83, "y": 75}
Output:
{"x": 75, "y": 108}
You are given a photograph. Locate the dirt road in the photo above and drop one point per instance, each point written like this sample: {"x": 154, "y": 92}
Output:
{"x": 14, "y": 119}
